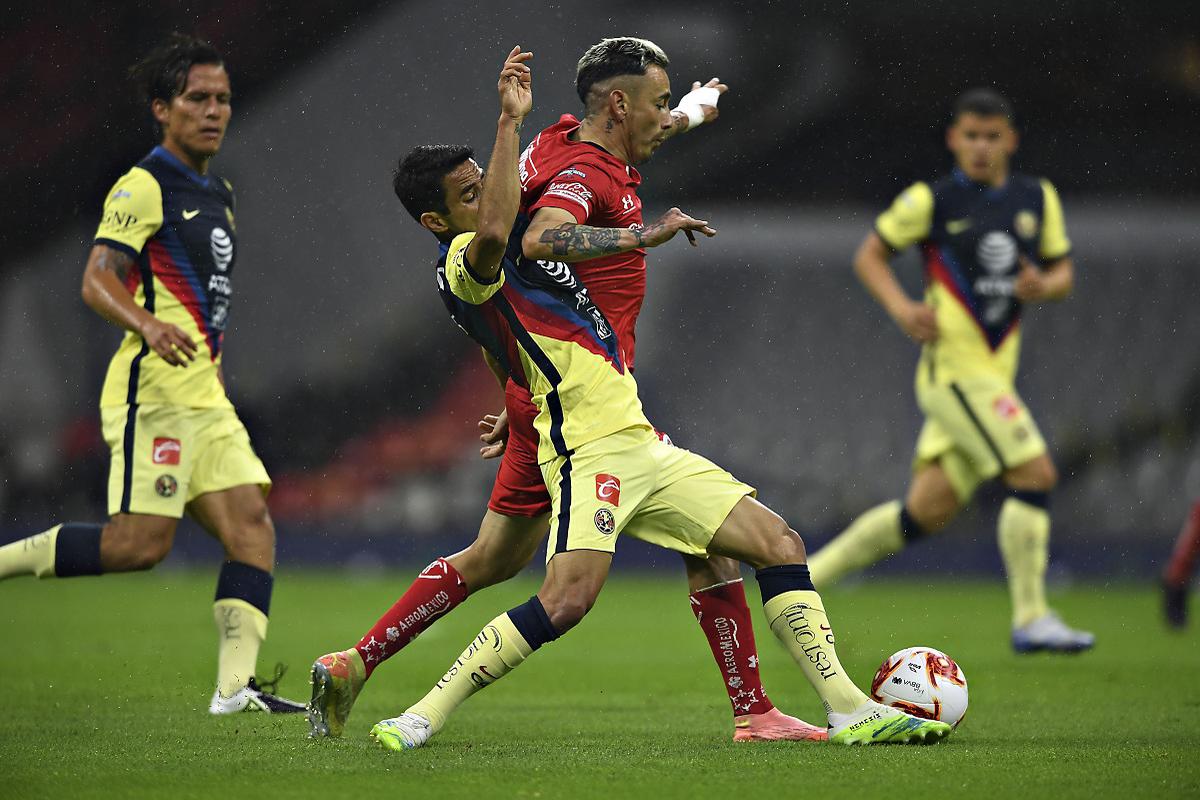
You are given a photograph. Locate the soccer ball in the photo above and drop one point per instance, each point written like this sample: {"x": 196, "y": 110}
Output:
{"x": 923, "y": 682}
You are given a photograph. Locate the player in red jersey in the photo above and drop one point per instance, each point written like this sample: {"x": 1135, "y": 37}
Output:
{"x": 1177, "y": 578}
{"x": 579, "y": 186}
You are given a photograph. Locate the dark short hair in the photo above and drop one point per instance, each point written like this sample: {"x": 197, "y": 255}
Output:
{"x": 985, "y": 102}
{"x": 608, "y": 58}
{"x": 163, "y": 73}
{"x": 417, "y": 180}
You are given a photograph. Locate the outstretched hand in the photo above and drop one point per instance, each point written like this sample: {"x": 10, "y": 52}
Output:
{"x": 665, "y": 227}
{"x": 516, "y": 85}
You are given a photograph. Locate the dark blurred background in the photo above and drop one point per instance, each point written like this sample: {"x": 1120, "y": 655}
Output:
{"x": 759, "y": 350}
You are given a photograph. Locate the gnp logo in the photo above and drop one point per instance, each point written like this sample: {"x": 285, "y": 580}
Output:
{"x": 608, "y": 489}
{"x": 166, "y": 451}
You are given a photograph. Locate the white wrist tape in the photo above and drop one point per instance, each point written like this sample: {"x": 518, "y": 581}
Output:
{"x": 690, "y": 104}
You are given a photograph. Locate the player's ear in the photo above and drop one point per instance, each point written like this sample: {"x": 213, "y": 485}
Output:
{"x": 433, "y": 222}
{"x": 161, "y": 110}
{"x": 618, "y": 104}
{"x": 1014, "y": 140}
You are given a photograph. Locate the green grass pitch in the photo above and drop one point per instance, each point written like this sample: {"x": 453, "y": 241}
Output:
{"x": 106, "y": 681}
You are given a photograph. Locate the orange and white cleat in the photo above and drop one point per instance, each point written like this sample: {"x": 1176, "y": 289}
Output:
{"x": 775, "y": 726}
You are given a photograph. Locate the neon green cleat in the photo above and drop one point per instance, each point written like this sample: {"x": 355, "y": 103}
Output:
{"x": 337, "y": 678}
{"x": 404, "y": 732}
{"x": 873, "y": 723}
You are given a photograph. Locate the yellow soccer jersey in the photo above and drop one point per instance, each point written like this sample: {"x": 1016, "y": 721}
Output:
{"x": 537, "y": 320}
{"x": 178, "y": 227}
{"x": 971, "y": 237}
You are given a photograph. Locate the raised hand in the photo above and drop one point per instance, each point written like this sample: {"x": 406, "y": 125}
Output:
{"x": 516, "y": 85}
{"x": 665, "y": 227}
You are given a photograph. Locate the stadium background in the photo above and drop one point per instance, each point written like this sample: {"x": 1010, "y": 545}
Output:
{"x": 759, "y": 349}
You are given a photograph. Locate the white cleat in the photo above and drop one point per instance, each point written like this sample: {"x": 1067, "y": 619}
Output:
{"x": 252, "y": 698}
{"x": 1050, "y": 634}
{"x": 404, "y": 732}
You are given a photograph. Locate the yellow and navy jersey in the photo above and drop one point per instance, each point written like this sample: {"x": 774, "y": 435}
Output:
{"x": 538, "y": 321}
{"x": 178, "y": 227}
{"x": 971, "y": 237}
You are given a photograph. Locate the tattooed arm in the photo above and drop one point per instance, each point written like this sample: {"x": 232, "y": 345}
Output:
{"x": 554, "y": 235}
{"x": 105, "y": 293}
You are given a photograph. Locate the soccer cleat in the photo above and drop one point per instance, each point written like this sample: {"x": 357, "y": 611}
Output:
{"x": 1049, "y": 633}
{"x": 873, "y": 723}
{"x": 337, "y": 678}
{"x": 775, "y": 726}
{"x": 251, "y": 697}
{"x": 1175, "y": 604}
{"x": 404, "y": 732}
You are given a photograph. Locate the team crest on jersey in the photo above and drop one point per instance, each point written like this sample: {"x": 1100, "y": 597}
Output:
{"x": 605, "y": 521}
{"x": 608, "y": 489}
{"x": 1025, "y": 223}
{"x": 166, "y": 486}
{"x": 166, "y": 451}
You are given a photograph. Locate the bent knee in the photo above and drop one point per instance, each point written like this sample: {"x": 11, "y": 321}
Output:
{"x": 1038, "y": 476}
{"x": 784, "y": 544}
{"x": 567, "y": 612}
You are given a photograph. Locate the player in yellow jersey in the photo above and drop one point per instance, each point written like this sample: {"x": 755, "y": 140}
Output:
{"x": 161, "y": 269}
{"x": 992, "y": 241}
{"x": 607, "y": 472}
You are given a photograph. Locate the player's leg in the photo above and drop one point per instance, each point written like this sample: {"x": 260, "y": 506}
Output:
{"x": 504, "y": 546}
{"x": 573, "y": 582}
{"x": 126, "y": 543}
{"x": 239, "y": 519}
{"x": 943, "y": 481}
{"x": 756, "y": 535}
{"x": 718, "y": 600}
{"x": 1177, "y": 577}
{"x": 1023, "y": 531}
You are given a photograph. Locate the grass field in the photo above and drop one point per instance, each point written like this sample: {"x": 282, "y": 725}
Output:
{"x": 107, "y": 679}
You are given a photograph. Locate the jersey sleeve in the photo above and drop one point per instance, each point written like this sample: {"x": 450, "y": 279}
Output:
{"x": 579, "y": 190}
{"x": 462, "y": 280}
{"x": 132, "y": 213}
{"x": 1054, "y": 243}
{"x": 909, "y": 218}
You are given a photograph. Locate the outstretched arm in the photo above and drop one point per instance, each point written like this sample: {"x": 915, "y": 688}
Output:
{"x": 554, "y": 235}
{"x": 501, "y": 198}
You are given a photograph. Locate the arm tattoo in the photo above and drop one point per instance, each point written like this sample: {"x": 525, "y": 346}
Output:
{"x": 115, "y": 261}
{"x": 583, "y": 241}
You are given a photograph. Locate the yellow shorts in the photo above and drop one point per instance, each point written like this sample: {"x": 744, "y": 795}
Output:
{"x": 633, "y": 483}
{"x": 977, "y": 428}
{"x": 163, "y": 457}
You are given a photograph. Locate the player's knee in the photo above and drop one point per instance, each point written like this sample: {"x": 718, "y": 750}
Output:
{"x": 250, "y": 537}
{"x": 1036, "y": 476}
{"x": 784, "y": 545}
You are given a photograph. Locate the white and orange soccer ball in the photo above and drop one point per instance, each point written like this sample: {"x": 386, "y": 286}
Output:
{"x": 923, "y": 682}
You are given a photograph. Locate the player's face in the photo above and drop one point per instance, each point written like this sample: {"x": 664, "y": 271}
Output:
{"x": 982, "y": 146}
{"x": 647, "y": 113}
{"x": 462, "y": 189}
{"x": 195, "y": 120}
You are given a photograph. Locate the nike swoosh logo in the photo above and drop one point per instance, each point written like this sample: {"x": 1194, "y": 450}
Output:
{"x": 957, "y": 226}
{"x": 190, "y": 214}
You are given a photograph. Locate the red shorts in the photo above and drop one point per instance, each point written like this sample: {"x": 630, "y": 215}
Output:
{"x": 519, "y": 490}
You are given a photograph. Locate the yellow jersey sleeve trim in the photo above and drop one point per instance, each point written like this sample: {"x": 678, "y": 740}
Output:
{"x": 132, "y": 212}
{"x": 1054, "y": 243}
{"x": 463, "y": 281}
{"x": 909, "y": 218}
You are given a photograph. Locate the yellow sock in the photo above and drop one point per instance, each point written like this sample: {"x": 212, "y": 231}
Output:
{"x": 871, "y": 537}
{"x": 31, "y": 556}
{"x": 496, "y": 651}
{"x": 798, "y": 620}
{"x": 241, "y": 629}
{"x": 1024, "y": 533}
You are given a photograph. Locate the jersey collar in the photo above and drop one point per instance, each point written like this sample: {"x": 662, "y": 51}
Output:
{"x": 169, "y": 157}
{"x": 961, "y": 179}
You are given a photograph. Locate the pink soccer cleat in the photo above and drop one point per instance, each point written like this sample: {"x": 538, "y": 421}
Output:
{"x": 775, "y": 726}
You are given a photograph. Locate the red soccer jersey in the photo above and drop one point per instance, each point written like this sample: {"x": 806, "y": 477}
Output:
{"x": 600, "y": 190}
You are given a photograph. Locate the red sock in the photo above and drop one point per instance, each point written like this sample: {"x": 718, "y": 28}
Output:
{"x": 436, "y": 590}
{"x": 725, "y": 619}
{"x": 1187, "y": 548}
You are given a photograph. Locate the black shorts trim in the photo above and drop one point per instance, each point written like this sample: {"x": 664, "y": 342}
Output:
{"x": 564, "y": 507}
{"x": 127, "y": 450}
{"x": 979, "y": 425}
